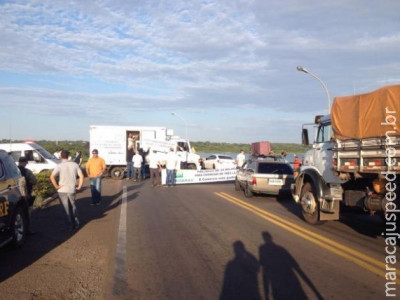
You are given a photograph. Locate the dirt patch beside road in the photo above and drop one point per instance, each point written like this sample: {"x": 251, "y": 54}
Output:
{"x": 55, "y": 264}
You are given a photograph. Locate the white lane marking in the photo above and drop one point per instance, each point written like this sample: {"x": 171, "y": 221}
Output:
{"x": 120, "y": 256}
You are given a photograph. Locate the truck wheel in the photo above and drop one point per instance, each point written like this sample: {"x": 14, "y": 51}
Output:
{"x": 237, "y": 185}
{"x": 191, "y": 167}
{"x": 117, "y": 172}
{"x": 19, "y": 227}
{"x": 247, "y": 192}
{"x": 309, "y": 204}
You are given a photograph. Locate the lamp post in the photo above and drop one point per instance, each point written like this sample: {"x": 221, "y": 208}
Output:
{"x": 302, "y": 69}
{"x": 179, "y": 116}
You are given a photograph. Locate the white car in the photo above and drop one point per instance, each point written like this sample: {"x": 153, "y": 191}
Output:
{"x": 39, "y": 159}
{"x": 218, "y": 161}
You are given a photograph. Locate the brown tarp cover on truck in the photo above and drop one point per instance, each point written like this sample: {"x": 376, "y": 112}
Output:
{"x": 360, "y": 116}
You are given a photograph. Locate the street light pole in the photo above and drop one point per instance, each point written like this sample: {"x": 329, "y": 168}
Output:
{"x": 179, "y": 116}
{"x": 302, "y": 69}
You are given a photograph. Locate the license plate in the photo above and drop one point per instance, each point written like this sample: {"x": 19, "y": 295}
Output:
{"x": 274, "y": 181}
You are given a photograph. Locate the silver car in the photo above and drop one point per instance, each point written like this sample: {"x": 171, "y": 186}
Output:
{"x": 264, "y": 176}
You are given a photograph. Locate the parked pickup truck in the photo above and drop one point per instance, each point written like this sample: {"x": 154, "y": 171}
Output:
{"x": 355, "y": 157}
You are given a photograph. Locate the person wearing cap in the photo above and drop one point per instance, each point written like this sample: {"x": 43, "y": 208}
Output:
{"x": 30, "y": 178}
{"x": 67, "y": 171}
{"x": 95, "y": 168}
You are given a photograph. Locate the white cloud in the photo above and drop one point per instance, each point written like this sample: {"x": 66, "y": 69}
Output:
{"x": 145, "y": 58}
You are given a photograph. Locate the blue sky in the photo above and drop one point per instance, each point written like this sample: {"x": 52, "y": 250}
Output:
{"x": 227, "y": 68}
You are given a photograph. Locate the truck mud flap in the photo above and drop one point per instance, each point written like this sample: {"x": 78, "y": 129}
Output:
{"x": 324, "y": 216}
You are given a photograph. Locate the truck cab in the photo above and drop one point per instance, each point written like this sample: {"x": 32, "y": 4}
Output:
{"x": 317, "y": 188}
{"x": 320, "y": 157}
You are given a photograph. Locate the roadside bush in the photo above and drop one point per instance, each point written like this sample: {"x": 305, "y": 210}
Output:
{"x": 43, "y": 188}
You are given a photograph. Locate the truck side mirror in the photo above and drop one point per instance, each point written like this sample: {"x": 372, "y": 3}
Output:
{"x": 304, "y": 137}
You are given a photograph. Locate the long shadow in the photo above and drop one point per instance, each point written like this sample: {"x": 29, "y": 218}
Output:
{"x": 47, "y": 224}
{"x": 279, "y": 271}
{"x": 240, "y": 278}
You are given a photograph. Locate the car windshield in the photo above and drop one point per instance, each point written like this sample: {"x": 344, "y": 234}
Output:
{"x": 282, "y": 169}
{"x": 45, "y": 153}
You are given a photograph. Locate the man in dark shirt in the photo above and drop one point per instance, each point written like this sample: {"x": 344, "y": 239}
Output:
{"x": 30, "y": 180}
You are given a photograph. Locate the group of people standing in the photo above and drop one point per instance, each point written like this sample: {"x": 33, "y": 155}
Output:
{"x": 135, "y": 164}
{"x": 157, "y": 161}
{"x": 136, "y": 161}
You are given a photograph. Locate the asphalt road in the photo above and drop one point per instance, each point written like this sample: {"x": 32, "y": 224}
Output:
{"x": 203, "y": 241}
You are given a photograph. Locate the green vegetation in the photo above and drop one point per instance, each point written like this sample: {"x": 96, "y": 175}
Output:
{"x": 210, "y": 147}
{"x": 43, "y": 188}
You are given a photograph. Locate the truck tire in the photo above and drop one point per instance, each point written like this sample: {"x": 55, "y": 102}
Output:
{"x": 117, "y": 173}
{"x": 19, "y": 227}
{"x": 191, "y": 167}
{"x": 247, "y": 192}
{"x": 309, "y": 204}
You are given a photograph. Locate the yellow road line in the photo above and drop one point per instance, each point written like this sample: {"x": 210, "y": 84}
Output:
{"x": 357, "y": 257}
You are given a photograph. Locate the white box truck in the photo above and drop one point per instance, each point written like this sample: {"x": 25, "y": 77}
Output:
{"x": 112, "y": 144}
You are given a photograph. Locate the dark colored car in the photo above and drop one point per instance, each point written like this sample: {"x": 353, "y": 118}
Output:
{"x": 264, "y": 176}
{"x": 14, "y": 215}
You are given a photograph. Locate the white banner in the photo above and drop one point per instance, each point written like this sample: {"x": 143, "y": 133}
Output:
{"x": 161, "y": 146}
{"x": 200, "y": 176}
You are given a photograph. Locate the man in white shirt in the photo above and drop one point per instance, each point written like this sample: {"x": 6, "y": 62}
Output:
{"x": 137, "y": 166}
{"x": 154, "y": 166}
{"x": 68, "y": 171}
{"x": 240, "y": 159}
{"x": 171, "y": 163}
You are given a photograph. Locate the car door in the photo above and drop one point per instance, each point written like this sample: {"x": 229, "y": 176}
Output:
{"x": 7, "y": 191}
{"x": 249, "y": 172}
{"x": 241, "y": 174}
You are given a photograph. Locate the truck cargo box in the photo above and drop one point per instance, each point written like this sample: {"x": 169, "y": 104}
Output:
{"x": 261, "y": 148}
{"x": 374, "y": 114}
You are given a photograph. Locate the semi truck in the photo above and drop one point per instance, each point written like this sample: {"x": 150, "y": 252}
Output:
{"x": 355, "y": 157}
{"x": 112, "y": 144}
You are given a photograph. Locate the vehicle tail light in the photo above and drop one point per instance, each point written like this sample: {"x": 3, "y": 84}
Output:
{"x": 254, "y": 181}
{"x": 379, "y": 186}
{"x": 349, "y": 164}
{"x": 375, "y": 163}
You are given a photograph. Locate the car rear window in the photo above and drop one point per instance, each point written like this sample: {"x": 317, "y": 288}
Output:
{"x": 282, "y": 169}
{"x": 225, "y": 157}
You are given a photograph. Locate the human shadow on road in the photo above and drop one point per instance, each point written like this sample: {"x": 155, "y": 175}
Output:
{"x": 48, "y": 224}
{"x": 279, "y": 271}
{"x": 240, "y": 277}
